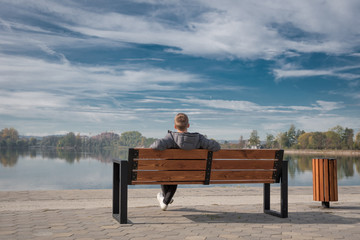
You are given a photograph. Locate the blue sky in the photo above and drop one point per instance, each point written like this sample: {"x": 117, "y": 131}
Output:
{"x": 232, "y": 66}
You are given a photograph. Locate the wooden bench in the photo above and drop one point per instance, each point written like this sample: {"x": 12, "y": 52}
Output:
{"x": 199, "y": 166}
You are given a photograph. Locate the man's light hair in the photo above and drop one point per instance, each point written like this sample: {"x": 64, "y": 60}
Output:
{"x": 181, "y": 121}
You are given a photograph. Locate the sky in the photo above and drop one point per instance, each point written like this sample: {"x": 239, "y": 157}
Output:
{"x": 232, "y": 66}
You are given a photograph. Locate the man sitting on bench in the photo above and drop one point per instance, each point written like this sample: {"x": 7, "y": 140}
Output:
{"x": 184, "y": 140}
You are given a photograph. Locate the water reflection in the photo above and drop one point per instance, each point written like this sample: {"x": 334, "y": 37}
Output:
{"x": 10, "y": 157}
{"x": 346, "y": 165}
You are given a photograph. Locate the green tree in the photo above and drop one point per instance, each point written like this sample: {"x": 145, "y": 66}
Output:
{"x": 78, "y": 141}
{"x": 70, "y": 139}
{"x": 131, "y": 139}
{"x": 333, "y": 140}
{"x": 340, "y": 131}
{"x": 254, "y": 139}
{"x": 50, "y": 141}
{"x": 348, "y": 138}
{"x": 242, "y": 142}
{"x": 32, "y": 142}
{"x": 22, "y": 143}
{"x": 291, "y": 136}
{"x": 357, "y": 141}
{"x": 282, "y": 139}
{"x": 269, "y": 141}
{"x": 317, "y": 140}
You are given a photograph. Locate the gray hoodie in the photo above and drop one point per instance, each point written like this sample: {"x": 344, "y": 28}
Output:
{"x": 185, "y": 141}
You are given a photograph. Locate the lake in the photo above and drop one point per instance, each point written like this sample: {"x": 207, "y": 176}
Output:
{"x": 59, "y": 169}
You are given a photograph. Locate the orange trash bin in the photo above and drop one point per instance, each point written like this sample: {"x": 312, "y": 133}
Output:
{"x": 325, "y": 187}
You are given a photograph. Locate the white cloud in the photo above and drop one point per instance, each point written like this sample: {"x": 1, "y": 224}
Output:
{"x": 289, "y": 72}
{"x": 151, "y": 99}
{"x": 328, "y": 106}
{"x": 22, "y": 100}
{"x": 279, "y": 73}
{"x": 323, "y": 122}
{"x": 246, "y": 106}
{"x": 31, "y": 73}
{"x": 229, "y": 29}
{"x": 225, "y": 104}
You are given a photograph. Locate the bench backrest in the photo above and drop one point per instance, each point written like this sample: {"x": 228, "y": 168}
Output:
{"x": 200, "y": 166}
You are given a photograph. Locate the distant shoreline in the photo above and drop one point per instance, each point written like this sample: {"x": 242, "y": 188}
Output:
{"x": 324, "y": 152}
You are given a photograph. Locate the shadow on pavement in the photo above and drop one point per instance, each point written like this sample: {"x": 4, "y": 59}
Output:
{"x": 328, "y": 216}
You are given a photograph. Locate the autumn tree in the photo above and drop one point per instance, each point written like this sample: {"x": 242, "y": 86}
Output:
{"x": 303, "y": 140}
{"x": 9, "y": 137}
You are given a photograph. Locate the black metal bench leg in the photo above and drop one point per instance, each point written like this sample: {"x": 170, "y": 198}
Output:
{"x": 116, "y": 181}
{"x": 284, "y": 190}
{"x": 120, "y": 192}
{"x": 283, "y": 194}
{"x": 266, "y": 196}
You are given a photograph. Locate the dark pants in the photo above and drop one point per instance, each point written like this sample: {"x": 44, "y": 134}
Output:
{"x": 168, "y": 192}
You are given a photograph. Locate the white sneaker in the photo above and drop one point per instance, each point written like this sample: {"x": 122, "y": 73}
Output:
{"x": 171, "y": 201}
{"x": 160, "y": 198}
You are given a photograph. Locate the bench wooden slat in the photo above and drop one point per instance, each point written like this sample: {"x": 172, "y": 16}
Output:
{"x": 201, "y": 182}
{"x": 171, "y": 164}
{"x": 163, "y": 176}
{"x": 242, "y": 181}
{"x": 244, "y": 154}
{"x": 165, "y": 183}
{"x": 241, "y": 175}
{"x": 243, "y": 164}
{"x": 201, "y": 164}
{"x": 172, "y": 154}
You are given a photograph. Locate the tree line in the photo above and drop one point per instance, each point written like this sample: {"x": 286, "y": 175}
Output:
{"x": 106, "y": 140}
{"x": 9, "y": 138}
{"x": 335, "y": 138}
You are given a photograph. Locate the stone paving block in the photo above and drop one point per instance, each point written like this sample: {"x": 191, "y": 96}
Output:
{"x": 8, "y": 234}
{"x": 195, "y": 238}
{"x": 63, "y": 234}
{"x": 115, "y": 234}
{"x": 215, "y": 238}
{"x": 228, "y": 236}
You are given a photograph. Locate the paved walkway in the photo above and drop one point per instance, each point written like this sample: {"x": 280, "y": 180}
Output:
{"x": 197, "y": 213}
